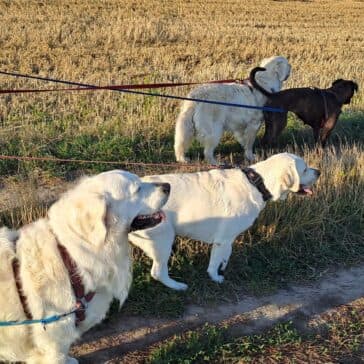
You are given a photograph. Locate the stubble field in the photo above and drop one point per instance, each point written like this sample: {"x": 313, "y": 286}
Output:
{"x": 112, "y": 42}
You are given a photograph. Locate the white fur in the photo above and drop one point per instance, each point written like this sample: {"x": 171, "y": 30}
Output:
{"x": 209, "y": 121}
{"x": 92, "y": 221}
{"x": 215, "y": 207}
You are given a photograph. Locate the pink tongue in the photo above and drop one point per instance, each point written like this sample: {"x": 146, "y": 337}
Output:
{"x": 308, "y": 191}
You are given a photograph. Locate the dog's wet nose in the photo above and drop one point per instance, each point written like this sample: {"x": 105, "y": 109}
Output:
{"x": 166, "y": 187}
{"x": 318, "y": 173}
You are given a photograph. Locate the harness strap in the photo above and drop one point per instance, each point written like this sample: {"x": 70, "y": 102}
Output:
{"x": 325, "y": 107}
{"x": 19, "y": 287}
{"x": 246, "y": 82}
{"x": 76, "y": 281}
{"x": 257, "y": 180}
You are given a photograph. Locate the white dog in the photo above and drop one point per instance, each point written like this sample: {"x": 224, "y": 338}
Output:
{"x": 218, "y": 205}
{"x": 87, "y": 228}
{"x": 208, "y": 121}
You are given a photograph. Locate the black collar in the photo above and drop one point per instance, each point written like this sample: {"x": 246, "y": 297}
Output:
{"x": 256, "y": 180}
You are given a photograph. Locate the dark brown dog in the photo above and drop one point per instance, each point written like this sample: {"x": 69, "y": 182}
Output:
{"x": 319, "y": 108}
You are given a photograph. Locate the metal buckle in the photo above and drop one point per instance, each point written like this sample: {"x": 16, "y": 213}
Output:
{"x": 81, "y": 304}
{"x": 256, "y": 179}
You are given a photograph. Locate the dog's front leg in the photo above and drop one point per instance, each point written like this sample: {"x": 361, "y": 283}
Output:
{"x": 316, "y": 134}
{"x": 219, "y": 258}
{"x": 160, "y": 273}
{"x": 327, "y": 129}
{"x": 157, "y": 244}
{"x": 46, "y": 357}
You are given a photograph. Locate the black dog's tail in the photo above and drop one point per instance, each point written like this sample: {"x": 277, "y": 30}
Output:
{"x": 255, "y": 83}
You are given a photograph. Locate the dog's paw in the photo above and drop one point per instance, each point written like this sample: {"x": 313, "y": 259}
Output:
{"x": 212, "y": 162}
{"x": 71, "y": 360}
{"x": 250, "y": 157}
{"x": 179, "y": 286}
{"x": 183, "y": 159}
{"x": 171, "y": 283}
{"x": 217, "y": 278}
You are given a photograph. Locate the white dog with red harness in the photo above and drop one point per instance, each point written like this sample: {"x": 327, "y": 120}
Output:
{"x": 75, "y": 260}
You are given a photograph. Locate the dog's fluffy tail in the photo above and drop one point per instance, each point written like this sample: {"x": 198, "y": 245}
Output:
{"x": 255, "y": 83}
{"x": 7, "y": 249}
{"x": 8, "y": 238}
{"x": 184, "y": 130}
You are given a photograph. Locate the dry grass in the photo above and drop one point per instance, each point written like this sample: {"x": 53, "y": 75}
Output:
{"x": 104, "y": 42}
{"x": 137, "y": 41}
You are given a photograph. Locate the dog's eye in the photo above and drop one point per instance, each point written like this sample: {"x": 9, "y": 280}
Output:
{"x": 305, "y": 170}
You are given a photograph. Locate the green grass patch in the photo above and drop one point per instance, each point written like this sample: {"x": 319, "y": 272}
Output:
{"x": 292, "y": 240}
{"x": 61, "y": 139}
{"x": 338, "y": 337}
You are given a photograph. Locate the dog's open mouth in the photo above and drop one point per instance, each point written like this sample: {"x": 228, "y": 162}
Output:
{"x": 147, "y": 221}
{"x": 305, "y": 191}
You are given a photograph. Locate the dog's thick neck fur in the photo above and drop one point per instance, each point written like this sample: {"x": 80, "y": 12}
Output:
{"x": 112, "y": 255}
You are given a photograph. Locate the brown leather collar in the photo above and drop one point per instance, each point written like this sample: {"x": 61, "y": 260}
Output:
{"x": 256, "y": 180}
{"x": 76, "y": 281}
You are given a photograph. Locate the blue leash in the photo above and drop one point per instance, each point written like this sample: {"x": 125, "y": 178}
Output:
{"x": 263, "y": 108}
{"x": 43, "y": 321}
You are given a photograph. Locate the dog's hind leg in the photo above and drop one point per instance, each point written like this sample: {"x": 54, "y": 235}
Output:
{"x": 327, "y": 129}
{"x": 316, "y": 134}
{"x": 184, "y": 132}
{"x": 219, "y": 258}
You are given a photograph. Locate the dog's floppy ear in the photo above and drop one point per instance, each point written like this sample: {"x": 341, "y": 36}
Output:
{"x": 89, "y": 215}
{"x": 337, "y": 81}
{"x": 291, "y": 179}
{"x": 82, "y": 216}
{"x": 283, "y": 69}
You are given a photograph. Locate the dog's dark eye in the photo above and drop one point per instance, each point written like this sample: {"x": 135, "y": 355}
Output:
{"x": 138, "y": 189}
{"x": 305, "y": 170}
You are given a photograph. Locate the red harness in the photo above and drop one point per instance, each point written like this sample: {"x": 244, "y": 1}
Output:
{"x": 78, "y": 288}
{"x": 19, "y": 287}
{"x": 325, "y": 108}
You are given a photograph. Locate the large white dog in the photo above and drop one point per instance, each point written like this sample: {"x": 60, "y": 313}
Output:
{"x": 86, "y": 234}
{"x": 218, "y": 205}
{"x": 208, "y": 121}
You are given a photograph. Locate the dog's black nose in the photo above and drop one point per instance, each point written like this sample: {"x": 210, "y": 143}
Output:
{"x": 166, "y": 187}
{"x": 318, "y": 173}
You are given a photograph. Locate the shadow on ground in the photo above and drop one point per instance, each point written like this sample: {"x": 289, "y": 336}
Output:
{"x": 125, "y": 334}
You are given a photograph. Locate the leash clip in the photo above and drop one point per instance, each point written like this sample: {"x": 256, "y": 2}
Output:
{"x": 81, "y": 304}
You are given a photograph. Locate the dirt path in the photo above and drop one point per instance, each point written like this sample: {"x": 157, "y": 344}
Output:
{"x": 109, "y": 342}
